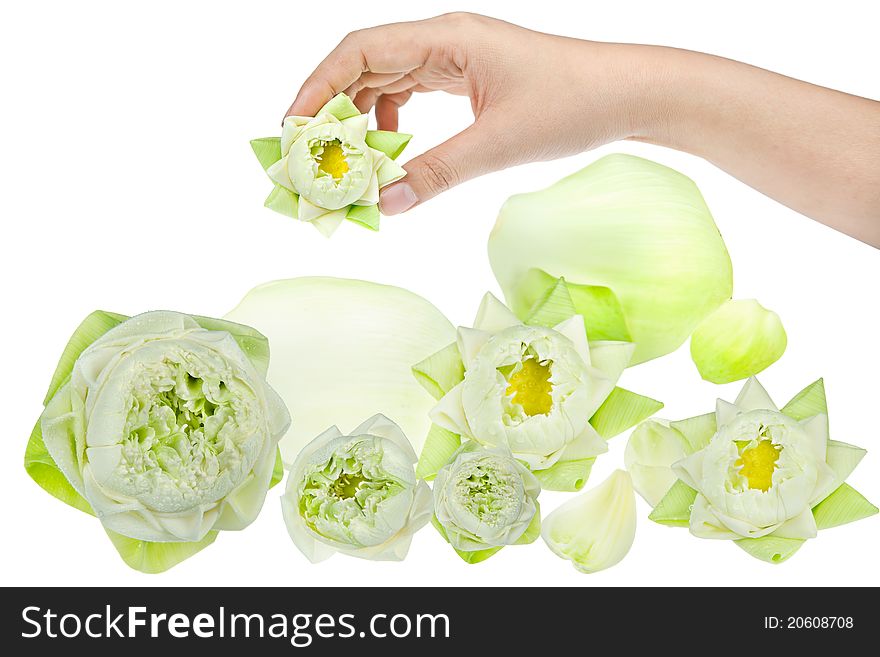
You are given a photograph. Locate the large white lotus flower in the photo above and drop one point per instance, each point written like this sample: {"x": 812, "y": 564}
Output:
{"x": 763, "y": 477}
{"x": 330, "y": 167}
{"x": 356, "y": 494}
{"x": 164, "y": 427}
{"x": 594, "y": 530}
{"x": 484, "y": 499}
{"x": 532, "y": 389}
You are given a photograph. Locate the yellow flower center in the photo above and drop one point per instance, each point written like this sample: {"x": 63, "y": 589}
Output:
{"x": 531, "y": 387}
{"x": 758, "y": 463}
{"x": 332, "y": 160}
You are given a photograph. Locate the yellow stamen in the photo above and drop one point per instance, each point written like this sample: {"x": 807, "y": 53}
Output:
{"x": 347, "y": 485}
{"x": 758, "y": 463}
{"x": 531, "y": 387}
{"x": 332, "y": 160}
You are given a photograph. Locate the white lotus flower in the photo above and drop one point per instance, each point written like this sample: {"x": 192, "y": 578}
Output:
{"x": 165, "y": 427}
{"x": 356, "y": 494}
{"x": 594, "y": 530}
{"x": 533, "y": 390}
{"x": 763, "y": 477}
{"x": 330, "y": 167}
{"x": 484, "y": 499}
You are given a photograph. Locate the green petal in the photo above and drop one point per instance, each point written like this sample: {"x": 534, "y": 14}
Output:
{"x": 254, "y": 344}
{"x": 390, "y": 143}
{"x": 43, "y": 470}
{"x": 440, "y": 446}
{"x": 470, "y": 557}
{"x": 154, "y": 558}
{"x": 697, "y": 431}
{"x": 554, "y": 307}
{"x": 808, "y": 402}
{"x": 267, "y": 150}
{"x": 566, "y": 476}
{"x": 341, "y": 107}
{"x": 365, "y": 215}
{"x": 533, "y": 531}
{"x": 674, "y": 509}
{"x": 283, "y": 201}
{"x": 844, "y": 505}
{"x": 440, "y": 372}
{"x": 277, "y": 470}
{"x": 91, "y": 328}
{"x": 602, "y": 312}
{"x": 621, "y": 410}
{"x": 738, "y": 340}
{"x": 771, "y": 548}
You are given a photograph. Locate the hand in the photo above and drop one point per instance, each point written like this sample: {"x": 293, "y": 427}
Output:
{"x": 534, "y": 96}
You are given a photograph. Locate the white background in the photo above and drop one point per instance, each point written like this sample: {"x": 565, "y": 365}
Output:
{"x": 128, "y": 185}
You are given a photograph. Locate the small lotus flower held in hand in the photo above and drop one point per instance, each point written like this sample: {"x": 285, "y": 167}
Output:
{"x": 164, "y": 427}
{"x": 541, "y": 390}
{"x": 330, "y": 167}
{"x": 596, "y": 529}
{"x": 766, "y": 478}
{"x": 484, "y": 499}
{"x": 356, "y": 494}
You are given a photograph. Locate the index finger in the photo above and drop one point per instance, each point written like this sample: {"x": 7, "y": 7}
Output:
{"x": 393, "y": 48}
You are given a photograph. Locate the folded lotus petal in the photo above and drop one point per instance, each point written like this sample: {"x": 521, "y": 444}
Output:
{"x": 573, "y": 329}
{"x": 470, "y": 342}
{"x": 449, "y": 413}
{"x": 327, "y": 223}
{"x": 801, "y": 526}
{"x": 611, "y": 358}
{"x": 493, "y": 316}
{"x": 754, "y": 397}
{"x": 277, "y": 173}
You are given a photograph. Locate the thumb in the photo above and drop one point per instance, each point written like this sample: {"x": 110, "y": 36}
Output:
{"x": 477, "y": 150}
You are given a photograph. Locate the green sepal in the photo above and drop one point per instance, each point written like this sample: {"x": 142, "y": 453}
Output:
{"x": 566, "y": 476}
{"x": 441, "y": 371}
{"x": 341, "y": 107}
{"x": 283, "y": 201}
{"x": 152, "y": 558}
{"x": 470, "y": 557}
{"x": 89, "y": 330}
{"x": 697, "y": 431}
{"x": 674, "y": 510}
{"x": 553, "y": 308}
{"x": 390, "y": 143}
{"x": 267, "y": 150}
{"x": 277, "y": 470}
{"x": 808, "y": 402}
{"x": 622, "y": 410}
{"x": 843, "y": 506}
{"x": 41, "y": 467}
{"x": 439, "y": 448}
{"x": 771, "y": 549}
{"x": 365, "y": 215}
{"x": 599, "y": 306}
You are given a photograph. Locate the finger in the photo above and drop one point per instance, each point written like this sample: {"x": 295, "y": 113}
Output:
{"x": 366, "y": 99}
{"x": 475, "y": 151}
{"x": 387, "y": 109}
{"x": 370, "y": 80}
{"x": 396, "y": 48}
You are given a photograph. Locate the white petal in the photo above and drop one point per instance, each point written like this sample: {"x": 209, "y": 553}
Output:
{"x": 470, "y": 341}
{"x": 493, "y": 316}
{"x": 381, "y": 426}
{"x": 690, "y": 469}
{"x": 356, "y": 126}
{"x": 611, "y": 358}
{"x": 328, "y": 223}
{"x": 816, "y": 428}
{"x": 449, "y": 413}
{"x": 293, "y": 126}
{"x": 309, "y": 211}
{"x": 277, "y": 173}
{"x": 801, "y": 526}
{"x": 704, "y": 524}
{"x": 573, "y": 329}
{"x": 725, "y": 412}
{"x": 754, "y": 397}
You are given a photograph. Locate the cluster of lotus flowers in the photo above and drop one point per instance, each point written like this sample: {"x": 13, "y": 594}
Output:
{"x": 165, "y": 425}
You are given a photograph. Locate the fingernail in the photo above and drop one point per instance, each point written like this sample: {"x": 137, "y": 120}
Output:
{"x": 397, "y": 198}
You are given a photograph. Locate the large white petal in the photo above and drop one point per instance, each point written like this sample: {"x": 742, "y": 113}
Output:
{"x": 754, "y": 397}
{"x": 342, "y": 350}
{"x": 493, "y": 316}
{"x": 573, "y": 329}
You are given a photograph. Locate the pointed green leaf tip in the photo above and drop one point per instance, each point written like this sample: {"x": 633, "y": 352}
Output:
{"x": 566, "y": 476}
{"x": 843, "y": 506}
{"x": 283, "y": 201}
{"x": 622, "y": 410}
{"x": 808, "y": 402}
{"x": 554, "y": 307}
{"x": 440, "y": 446}
{"x": 341, "y": 107}
{"x": 771, "y": 549}
{"x": 267, "y": 150}
{"x": 390, "y": 143}
{"x": 674, "y": 509}
{"x": 440, "y": 372}
{"x": 152, "y": 558}
{"x": 365, "y": 215}
{"x": 738, "y": 340}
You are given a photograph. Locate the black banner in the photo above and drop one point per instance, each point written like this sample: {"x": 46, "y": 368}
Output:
{"x": 406, "y": 620}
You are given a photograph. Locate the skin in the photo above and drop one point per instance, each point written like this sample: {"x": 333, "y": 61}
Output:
{"x": 813, "y": 149}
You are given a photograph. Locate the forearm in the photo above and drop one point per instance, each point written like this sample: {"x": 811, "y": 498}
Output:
{"x": 813, "y": 149}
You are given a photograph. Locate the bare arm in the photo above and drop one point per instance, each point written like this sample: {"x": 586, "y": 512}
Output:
{"x": 538, "y": 96}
